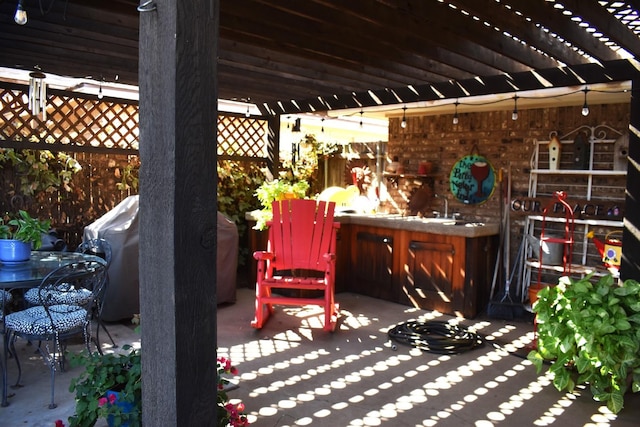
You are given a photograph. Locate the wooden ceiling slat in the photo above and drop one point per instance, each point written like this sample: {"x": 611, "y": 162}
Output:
{"x": 601, "y": 19}
{"x": 321, "y": 54}
{"x": 555, "y": 21}
{"x": 512, "y": 23}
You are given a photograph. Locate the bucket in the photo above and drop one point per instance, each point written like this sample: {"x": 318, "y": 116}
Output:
{"x": 552, "y": 252}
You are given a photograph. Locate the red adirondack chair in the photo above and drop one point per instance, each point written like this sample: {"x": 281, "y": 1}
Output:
{"x": 300, "y": 255}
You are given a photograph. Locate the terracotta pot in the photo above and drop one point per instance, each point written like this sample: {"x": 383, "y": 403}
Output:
{"x": 533, "y": 291}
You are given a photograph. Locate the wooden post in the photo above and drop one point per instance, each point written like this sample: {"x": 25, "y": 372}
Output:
{"x": 178, "y": 98}
{"x": 630, "y": 265}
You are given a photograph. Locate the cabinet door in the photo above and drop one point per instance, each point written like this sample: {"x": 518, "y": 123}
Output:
{"x": 429, "y": 281}
{"x": 373, "y": 264}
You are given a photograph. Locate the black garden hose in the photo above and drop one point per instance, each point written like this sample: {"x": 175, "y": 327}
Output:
{"x": 436, "y": 337}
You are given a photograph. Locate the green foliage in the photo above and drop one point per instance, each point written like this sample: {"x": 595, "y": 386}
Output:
{"x": 592, "y": 333}
{"x": 117, "y": 372}
{"x": 24, "y": 228}
{"x": 237, "y": 182}
{"x": 277, "y": 189}
{"x": 129, "y": 176}
{"x": 41, "y": 170}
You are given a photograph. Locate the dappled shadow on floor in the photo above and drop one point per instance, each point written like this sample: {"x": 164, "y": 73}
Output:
{"x": 294, "y": 373}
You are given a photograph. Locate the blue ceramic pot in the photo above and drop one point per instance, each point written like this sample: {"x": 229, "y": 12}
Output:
{"x": 12, "y": 251}
{"x": 125, "y": 407}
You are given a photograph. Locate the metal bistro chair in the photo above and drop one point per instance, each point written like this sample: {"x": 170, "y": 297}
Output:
{"x": 54, "y": 321}
{"x": 102, "y": 248}
{"x": 97, "y": 247}
{"x": 300, "y": 256}
{"x": 5, "y": 299}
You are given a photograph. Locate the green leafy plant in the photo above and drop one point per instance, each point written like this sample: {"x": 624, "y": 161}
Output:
{"x": 271, "y": 191}
{"x": 119, "y": 372}
{"x": 591, "y": 332}
{"x": 41, "y": 171}
{"x": 24, "y": 228}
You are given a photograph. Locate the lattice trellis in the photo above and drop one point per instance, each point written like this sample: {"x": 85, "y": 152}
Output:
{"x": 109, "y": 125}
{"x": 71, "y": 121}
{"x": 242, "y": 136}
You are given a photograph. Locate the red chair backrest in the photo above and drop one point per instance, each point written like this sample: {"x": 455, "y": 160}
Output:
{"x": 301, "y": 232}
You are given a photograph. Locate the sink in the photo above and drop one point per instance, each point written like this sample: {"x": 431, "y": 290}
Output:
{"x": 446, "y": 221}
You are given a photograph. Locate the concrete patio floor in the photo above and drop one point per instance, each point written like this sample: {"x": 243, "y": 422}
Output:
{"x": 292, "y": 373}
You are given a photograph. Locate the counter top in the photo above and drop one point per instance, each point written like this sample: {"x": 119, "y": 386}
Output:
{"x": 450, "y": 227}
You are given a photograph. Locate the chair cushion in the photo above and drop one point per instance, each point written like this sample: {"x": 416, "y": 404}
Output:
{"x": 5, "y": 296}
{"x": 34, "y": 320}
{"x": 80, "y": 296}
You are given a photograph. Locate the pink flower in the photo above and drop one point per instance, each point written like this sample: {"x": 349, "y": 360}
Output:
{"x": 102, "y": 401}
{"x": 112, "y": 398}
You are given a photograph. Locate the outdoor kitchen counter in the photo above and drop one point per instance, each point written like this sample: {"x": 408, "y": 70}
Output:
{"x": 430, "y": 263}
{"x": 450, "y": 227}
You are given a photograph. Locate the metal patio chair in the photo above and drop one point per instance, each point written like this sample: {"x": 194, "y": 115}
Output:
{"x": 53, "y": 321}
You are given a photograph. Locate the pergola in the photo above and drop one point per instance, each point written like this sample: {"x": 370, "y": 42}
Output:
{"x": 289, "y": 56}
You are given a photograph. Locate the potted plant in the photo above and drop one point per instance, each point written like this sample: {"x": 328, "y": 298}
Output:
{"x": 277, "y": 189}
{"x": 19, "y": 235}
{"x": 110, "y": 387}
{"x": 590, "y": 332}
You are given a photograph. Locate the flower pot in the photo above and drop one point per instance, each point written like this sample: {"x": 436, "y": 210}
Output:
{"x": 125, "y": 408}
{"x": 14, "y": 251}
{"x": 533, "y": 291}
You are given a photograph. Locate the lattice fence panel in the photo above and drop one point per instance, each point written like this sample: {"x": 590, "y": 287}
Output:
{"x": 242, "y": 136}
{"x": 81, "y": 122}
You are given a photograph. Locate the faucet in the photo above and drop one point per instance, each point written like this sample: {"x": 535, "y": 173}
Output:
{"x": 446, "y": 204}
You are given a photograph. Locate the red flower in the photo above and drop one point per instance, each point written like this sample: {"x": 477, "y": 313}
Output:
{"x": 102, "y": 401}
{"x": 59, "y": 423}
{"x": 112, "y": 398}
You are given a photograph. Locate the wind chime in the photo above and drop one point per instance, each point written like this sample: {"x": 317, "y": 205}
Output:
{"x": 38, "y": 94}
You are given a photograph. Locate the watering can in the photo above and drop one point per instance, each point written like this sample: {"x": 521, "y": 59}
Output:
{"x": 552, "y": 252}
{"x": 610, "y": 249}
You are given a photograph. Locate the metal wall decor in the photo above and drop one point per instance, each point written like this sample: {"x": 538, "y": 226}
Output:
{"x": 473, "y": 178}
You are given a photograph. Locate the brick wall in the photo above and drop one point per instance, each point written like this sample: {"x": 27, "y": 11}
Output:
{"x": 497, "y": 137}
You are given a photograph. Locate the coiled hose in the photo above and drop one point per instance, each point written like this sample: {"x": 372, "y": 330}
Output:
{"x": 436, "y": 337}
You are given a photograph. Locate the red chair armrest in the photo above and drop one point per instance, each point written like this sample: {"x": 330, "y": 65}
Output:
{"x": 263, "y": 255}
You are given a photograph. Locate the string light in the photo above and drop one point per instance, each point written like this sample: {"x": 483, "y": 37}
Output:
{"x": 21, "y": 15}
{"x": 361, "y": 117}
{"x": 403, "y": 123}
{"x": 100, "y": 95}
{"x": 455, "y": 114}
{"x": 322, "y": 128}
{"x": 514, "y": 115}
{"x": 248, "y": 113}
{"x": 585, "y": 106}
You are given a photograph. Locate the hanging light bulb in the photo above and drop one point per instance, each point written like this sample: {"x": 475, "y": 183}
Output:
{"x": 514, "y": 114}
{"x": 361, "y": 117}
{"x": 585, "y": 106}
{"x": 455, "y": 114}
{"x": 21, "y": 15}
{"x": 248, "y": 113}
{"x": 403, "y": 123}
{"x": 100, "y": 95}
{"x": 38, "y": 94}
{"x": 322, "y": 129}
